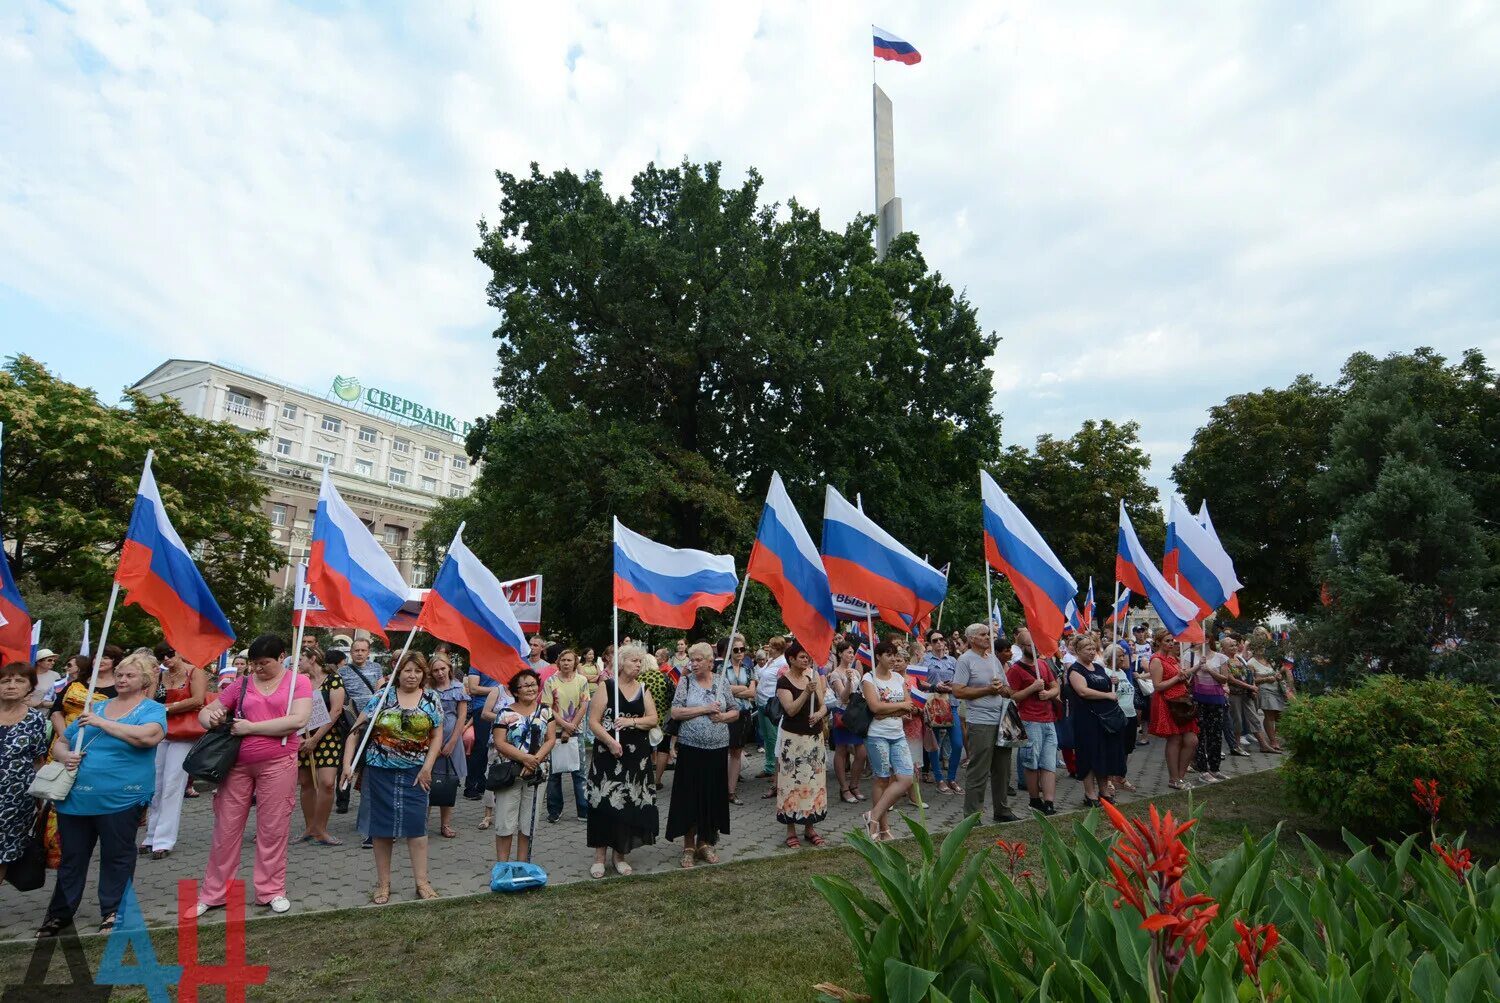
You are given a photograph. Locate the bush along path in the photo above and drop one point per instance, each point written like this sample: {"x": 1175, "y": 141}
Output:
{"x": 1128, "y": 912}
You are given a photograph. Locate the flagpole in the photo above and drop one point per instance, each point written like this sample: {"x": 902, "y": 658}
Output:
{"x": 1114, "y": 615}
{"x": 744, "y": 587}
{"x": 615, "y": 670}
{"x": 297, "y": 642}
{"x": 380, "y": 704}
{"x": 88, "y": 701}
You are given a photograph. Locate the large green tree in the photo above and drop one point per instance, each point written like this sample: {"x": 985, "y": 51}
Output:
{"x": 71, "y": 468}
{"x": 1254, "y": 461}
{"x": 662, "y": 352}
{"x": 1071, "y": 491}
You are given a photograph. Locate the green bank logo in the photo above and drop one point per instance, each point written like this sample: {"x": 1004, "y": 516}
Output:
{"x": 346, "y": 388}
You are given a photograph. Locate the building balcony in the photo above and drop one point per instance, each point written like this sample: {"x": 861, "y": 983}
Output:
{"x": 245, "y": 411}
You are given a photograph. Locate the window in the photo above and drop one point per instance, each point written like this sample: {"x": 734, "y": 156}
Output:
{"x": 332, "y": 424}
{"x": 460, "y": 462}
{"x": 398, "y": 476}
{"x": 279, "y": 515}
{"x": 401, "y": 445}
{"x": 283, "y": 447}
{"x": 323, "y": 459}
{"x": 432, "y": 453}
{"x": 364, "y": 468}
{"x": 429, "y": 484}
{"x": 455, "y": 491}
{"x": 395, "y": 536}
{"x": 289, "y": 412}
{"x": 368, "y": 435}
{"x": 239, "y": 403}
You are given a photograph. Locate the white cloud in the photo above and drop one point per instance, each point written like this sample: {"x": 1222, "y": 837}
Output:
{"x": 1156, "y": 206}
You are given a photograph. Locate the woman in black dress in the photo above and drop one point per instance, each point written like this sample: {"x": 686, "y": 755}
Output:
{"x": 622, "y": 810}
{"x": 1099, "y": 754}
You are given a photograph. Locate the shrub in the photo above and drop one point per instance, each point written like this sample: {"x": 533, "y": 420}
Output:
{"x": 1129, "y": 914}
{"x": 1355, "y": 752}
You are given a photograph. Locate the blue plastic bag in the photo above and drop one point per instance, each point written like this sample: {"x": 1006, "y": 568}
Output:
{"x": 516, "y": 876}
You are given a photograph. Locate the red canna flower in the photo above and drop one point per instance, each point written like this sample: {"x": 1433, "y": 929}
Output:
{"x": 1148, "y": 862}
{"x": 1255, "y": 946}
{"x": 1014, "y": 854}
{"x": 1458, "y": 861}
{"x": 1426, "y": 796}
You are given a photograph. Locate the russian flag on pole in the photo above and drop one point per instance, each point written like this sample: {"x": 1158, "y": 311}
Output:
{"x": 467, "y": 606}
{"x": 1194, "y": 561}
{"x": 1120, "y": 608}
{"x": 864, "y": 561}
{"x": 160, "y": 577}
{"x": 1016, "y": 550}
{"x": 1087, "y": 619}
{"x": 15, "y": 618}
{"x": 785, "y": 561}
{"x": 889, "y": 45}
{"x": 665, "y": 586}
{"x": 350, "y": 573}
{"x": 1221, "y": 560}
{"x": 1136, "y": 572}
{"x": 863, "y": 653}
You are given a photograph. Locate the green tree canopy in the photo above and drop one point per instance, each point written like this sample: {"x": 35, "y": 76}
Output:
{"x": 662, "y": 352}
{"x": 71, "y": 468}
{"x": 1253, "y": 461}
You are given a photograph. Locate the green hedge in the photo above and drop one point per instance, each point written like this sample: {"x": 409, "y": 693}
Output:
{"x": 1356, "y": 751}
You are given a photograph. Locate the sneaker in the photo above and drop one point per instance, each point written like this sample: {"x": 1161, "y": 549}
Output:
{"x": 1048, "y": 808}
{"x": 552, "y": 819}
{"x": 1037, "y": 804}
{"x": 280, "y": 904}
{"x": 367, "y": 844}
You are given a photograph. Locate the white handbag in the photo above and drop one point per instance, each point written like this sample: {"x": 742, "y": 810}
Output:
{"x": 53, "y": 782}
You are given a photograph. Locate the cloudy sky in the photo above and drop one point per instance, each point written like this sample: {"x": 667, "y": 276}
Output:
{"x": 1155, "y": 205}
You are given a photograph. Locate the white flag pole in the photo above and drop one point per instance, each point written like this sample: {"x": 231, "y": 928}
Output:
{"x": 297, "y": 635}
{"x": 380, "y": 704}
{"x": 88, "y": 701}
{"x": 614, "y": 671}
{"x": 1115, "y": 619}
{"x": 735, "y": 626}
{"x": 84, "y": 648}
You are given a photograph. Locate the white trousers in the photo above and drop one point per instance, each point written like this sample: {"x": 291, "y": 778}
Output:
{"x": 166, "y": 805}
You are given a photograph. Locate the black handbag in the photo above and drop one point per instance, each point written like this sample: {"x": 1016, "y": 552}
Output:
{"x": 1111, "y": 717}
{"x": 28, "y": 872}
{"x": 216, "y": 751}
{"x": 444, "y": 790}
{"x": 502, "y": 773}
{"x": 857, "y": 716}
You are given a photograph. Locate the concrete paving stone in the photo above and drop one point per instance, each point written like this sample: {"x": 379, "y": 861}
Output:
{"x": 321, "y": 878}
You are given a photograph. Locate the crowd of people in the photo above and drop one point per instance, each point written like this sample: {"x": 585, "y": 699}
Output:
{"x": 973, "y": 714}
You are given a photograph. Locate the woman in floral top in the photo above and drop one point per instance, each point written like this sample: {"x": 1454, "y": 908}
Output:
{"x": 403, "y": 747}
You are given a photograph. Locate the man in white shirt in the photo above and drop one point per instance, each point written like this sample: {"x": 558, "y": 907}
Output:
{"x": 46, "y": 678}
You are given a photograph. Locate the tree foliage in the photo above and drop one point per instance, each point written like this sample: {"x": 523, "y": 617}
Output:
{"x": 1254, "y": 461}
{"x": 71, "y": 468}
{"x": 662, "y": 352}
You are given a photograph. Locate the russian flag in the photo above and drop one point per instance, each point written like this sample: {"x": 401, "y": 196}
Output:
{"x": 866, "y": 562}
{"x": 889, "y": 45}
{"x": 1120, "y": 608}
{"x": 15, "y": 618}
{"x": 785, "y": 561}
{"x": 917, "y": 694}
{"x": 1014, "y": 548}
{"x": 1221, "y": 560}
{"x": 1136, "y": 572}
{"x": 666, "y": 587}
{"x": 1195, "y": 563}
{"x": 350, "y": 573}
{"x": 1086, "y": 621}
{"x": 863, "y": 653}
{"x": 160, "y": 577}
{"x": 467, "y": 606}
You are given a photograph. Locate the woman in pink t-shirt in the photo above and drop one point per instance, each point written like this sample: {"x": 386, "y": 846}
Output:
{"x": 265, "y": 772}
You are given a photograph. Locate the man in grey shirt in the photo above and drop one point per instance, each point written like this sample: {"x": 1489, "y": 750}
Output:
{"x": 360, "y": 677}
{"x": 980, "y": 683}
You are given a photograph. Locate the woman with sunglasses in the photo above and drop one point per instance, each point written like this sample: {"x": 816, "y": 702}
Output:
{"x": 740, "y": 674}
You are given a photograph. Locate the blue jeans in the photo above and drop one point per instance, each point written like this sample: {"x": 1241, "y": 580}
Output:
{"x": 555, "y": 795}
{"x": 479, "y": 756}
{"x": 953, "y": 744}
{"x": 889, "y": 757}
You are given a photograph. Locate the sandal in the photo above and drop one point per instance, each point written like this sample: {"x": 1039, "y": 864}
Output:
{"x": 768, "y": 795}
{"x": 815, "y": 838}
{"x": 954, "y": 787}
{"x": 448, "y": 832}
{"x": 596, "y": 871}
{"x": 107, "y": 924}
{"x": 160, "y": 854}
{"x": 885, "y": 836}
{"x": 381, "y": 895}
{"x": 859, "y": 794}
{"x": 735, "y": 799}
{"x": 488, "y": 820}
{"x": 848, "y": 797}
{"x": 707, "y": 854}
{"x": 687, "y": 860}
{"x": 623, "y": 869}
{"x": 792, "y": 843}
{"x": 329, "y": 841}
{"x": 1126, "y": 785}
{"x": 51, "y": 927}
{"x": 426, "y": 891}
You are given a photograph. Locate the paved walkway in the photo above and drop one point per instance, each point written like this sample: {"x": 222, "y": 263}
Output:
{"x": 324, "y": 878}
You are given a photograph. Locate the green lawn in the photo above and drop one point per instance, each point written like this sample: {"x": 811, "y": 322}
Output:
{"x": 752, "y": 931}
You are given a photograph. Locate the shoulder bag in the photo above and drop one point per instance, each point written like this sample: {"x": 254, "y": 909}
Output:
{"x": 28, "y": 872}
{"x": 215, "y": 753}
{"x": 444, "y": 790}
{"x": 54, "y": 781}
{"x": 857, "y": 715}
